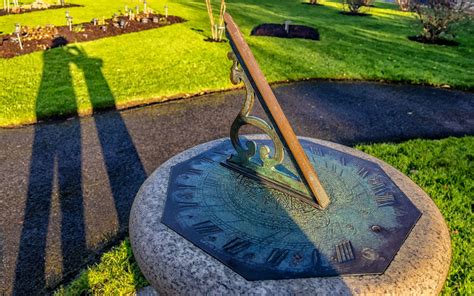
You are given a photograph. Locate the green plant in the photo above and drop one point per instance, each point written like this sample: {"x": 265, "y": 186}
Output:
{"x": 78, "y": 28}
{"x": 353, "y": 6}
{"x": 217, "y": 29}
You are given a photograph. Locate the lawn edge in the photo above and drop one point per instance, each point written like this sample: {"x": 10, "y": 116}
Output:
{"x": 143, "y": 102}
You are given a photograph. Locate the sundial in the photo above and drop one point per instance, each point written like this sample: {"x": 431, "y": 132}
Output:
{"x": 285, "y": 208}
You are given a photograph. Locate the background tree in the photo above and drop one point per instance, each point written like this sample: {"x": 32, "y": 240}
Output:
{"x": 404, "y": 4}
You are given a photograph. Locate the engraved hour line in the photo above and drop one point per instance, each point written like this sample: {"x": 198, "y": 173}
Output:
{"x": 184, "y": 186}
{"x": 277, "y": 256}
{"x": 206, "y": 228}
{"x": 315, "y": 257}
{"x": 363, "y": 172}
{"x": 206, "y": 159}
{"x": 194, "y": 171}
{"x": 343, "y": 161}
{"x": 319, "y": 151}
{"x": 187, "y": 204}
{"x": 236, "y": 245}
{"x": 220, "y": 153}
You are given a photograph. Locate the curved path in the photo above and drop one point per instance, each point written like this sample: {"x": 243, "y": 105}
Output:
{"x": 66, "y": 187}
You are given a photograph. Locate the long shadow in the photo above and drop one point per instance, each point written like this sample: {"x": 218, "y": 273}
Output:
{"x": 56, "y": 176}
{"x": 124, "y": 167}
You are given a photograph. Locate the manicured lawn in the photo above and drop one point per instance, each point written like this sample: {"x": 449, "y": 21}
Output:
{"x": 443, "y": 168}
{"x": 152, "y": 66}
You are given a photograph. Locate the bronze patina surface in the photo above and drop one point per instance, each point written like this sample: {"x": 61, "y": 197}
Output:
{"x": 263, "y": 233}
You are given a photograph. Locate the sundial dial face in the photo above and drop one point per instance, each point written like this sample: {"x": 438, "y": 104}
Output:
{"x": 263, "y": 233}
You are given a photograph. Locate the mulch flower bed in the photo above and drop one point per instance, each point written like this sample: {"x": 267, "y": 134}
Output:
{"x": 43, "y": 38}
{"x": 439, "y": 41}
{"x": 22, "y": 10}
{"x": 278, "y": 30}
{"x": 354, "y": 13}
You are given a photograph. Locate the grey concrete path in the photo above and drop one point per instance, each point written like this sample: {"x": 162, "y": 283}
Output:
{"x": 66, "y": 187}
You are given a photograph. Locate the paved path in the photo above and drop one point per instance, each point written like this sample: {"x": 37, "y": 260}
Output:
{"x": 66, "y": 187}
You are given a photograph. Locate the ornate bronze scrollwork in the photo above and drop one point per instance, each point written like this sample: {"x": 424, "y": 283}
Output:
{"x": 243, "y": 118}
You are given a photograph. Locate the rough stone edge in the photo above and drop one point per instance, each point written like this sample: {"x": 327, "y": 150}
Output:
{"x": 420, "y": 267}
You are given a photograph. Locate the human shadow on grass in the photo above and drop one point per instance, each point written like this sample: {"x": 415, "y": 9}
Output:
{"x": 55, "y": 198}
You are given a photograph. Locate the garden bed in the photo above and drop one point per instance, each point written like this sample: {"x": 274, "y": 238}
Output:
{"x": 28, "y": 10}
{"x": 42, "y": 38}
{"x": 278, "y": 30}
{"x": 354, "y": 13}
{"x": 439, "y": 41}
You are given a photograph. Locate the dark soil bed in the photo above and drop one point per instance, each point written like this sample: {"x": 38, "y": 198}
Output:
{"x": 278, "y": 30}
{"x": 3, "y": 12}
{"x": 311, "y": 4}
{"x": 354, "y": 13}
{"x": 439, "y": 41}
{"x": 60, "y": 36}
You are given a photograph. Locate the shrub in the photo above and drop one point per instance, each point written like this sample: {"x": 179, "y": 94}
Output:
{"x": 440, "y": 17}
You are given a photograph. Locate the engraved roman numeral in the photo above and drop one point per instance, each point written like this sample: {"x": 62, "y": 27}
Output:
{"x": 344, "y": 252}
{"x": 400, "y": 212}
{"x": 342, "y": 160}
{"x": 220, "y": 153}
{"x": 194, "y": 171}
{"x": 334, "y": 168}
{"x": 384, "y": 200}
{"x": 187, "y": 205}
{"x": 184, "y": 186}
{"x": 206, "y": 228}
{"x": 363, "y": 172}
{"x": 277, "y": 256}
{"x": 318, "y": 151}
{"x": 377, "y": 186}
{"x": 315, "y": 258}
{"x": 207, "y": 159}
{"x": 236, "y": 245}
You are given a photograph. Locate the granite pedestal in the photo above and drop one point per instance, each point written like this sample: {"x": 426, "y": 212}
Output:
{"x": 174, "y": 266}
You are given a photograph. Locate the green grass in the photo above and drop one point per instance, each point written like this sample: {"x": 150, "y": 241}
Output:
{"x": 443, "y": 168}
{"x": 152, "y": 66}
{"x": 117, "y": 273}
{"x": 445, "y": 171}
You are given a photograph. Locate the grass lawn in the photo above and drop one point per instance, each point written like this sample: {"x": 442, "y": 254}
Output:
{"x": 174, "y": 61}
{"x": 443, "y": 168}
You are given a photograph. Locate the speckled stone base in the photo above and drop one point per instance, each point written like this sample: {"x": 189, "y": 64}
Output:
{"x": 174, "y": 266}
